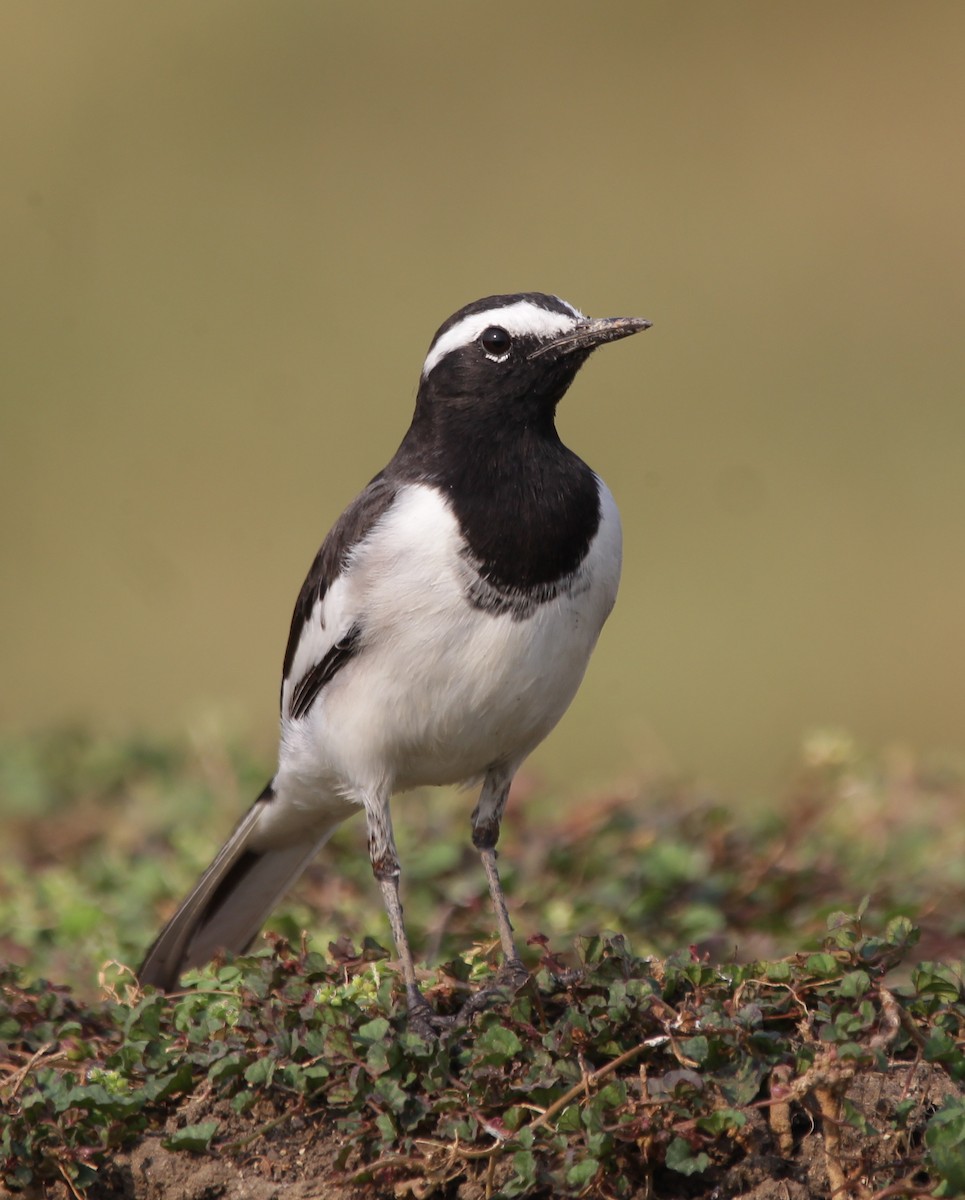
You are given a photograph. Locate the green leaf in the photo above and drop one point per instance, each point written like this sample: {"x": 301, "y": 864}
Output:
{"x": 524, "y": 1166}
{"x": 374, "y": 1031}
{"x": 824, "y": 966}
{"x": 386, "y": 1128}
{"x": 720, "y": 1120}
{"x": 390, "y": 1091}
{"x": 945, "y": 1139}
{"x": 497, "y": 1044}
{"x": 261, "y": 1071}
{"x": 695, "y": 1048}
{"x": 228, "y": 1067}
{"x": 901, "y": 931}
{"x": 854, "y": 984}
{"x": 741, "y": 1083}
{"x": 682, "y": 1159}
{"x": 241, "y": 1102}
{"x": 939, "y": 1047}
{"x": 569, "y": 1119}
{"x": 581, "y": 1173}
{"x": 856, "y": 1118}
{"x": 935, "y": 979}
{"x": 192, "y": 1137}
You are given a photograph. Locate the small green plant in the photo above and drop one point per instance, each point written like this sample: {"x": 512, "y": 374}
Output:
{"x": 615, "y": 1072}
{"x": 623, "y": 1070}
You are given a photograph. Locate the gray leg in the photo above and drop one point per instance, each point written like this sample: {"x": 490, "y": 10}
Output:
{"x": 385, "y": 867}
{"x": 486, "y": 818}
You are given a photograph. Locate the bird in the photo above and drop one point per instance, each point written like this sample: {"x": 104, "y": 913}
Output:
{"x": 442, "y": 631}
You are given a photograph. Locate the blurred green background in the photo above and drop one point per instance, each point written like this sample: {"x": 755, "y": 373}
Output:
{"x": 228, "y": 231}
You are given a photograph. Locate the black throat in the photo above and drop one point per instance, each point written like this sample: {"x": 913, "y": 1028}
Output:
{"x": 527, "y": 506}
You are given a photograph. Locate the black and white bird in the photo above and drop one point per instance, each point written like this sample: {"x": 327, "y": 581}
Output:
{"x": 444, "y": 627}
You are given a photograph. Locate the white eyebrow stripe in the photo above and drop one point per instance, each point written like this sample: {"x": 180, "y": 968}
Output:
{"x": 518, "y": 319}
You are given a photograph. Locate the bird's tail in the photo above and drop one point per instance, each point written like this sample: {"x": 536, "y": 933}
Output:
{"x": 231, "y": 901}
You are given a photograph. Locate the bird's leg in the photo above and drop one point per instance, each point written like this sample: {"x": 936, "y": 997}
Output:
{"x": 486, "y": 818}
{"x": 386, "y": 868}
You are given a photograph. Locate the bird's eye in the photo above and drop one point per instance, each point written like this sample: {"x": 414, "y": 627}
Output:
{"x": 496, "y": 341}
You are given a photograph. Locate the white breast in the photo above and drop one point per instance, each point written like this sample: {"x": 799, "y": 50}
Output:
{"x": 441, "y": 690}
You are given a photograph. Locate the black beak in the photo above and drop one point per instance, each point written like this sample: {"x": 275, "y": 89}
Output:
{"x": 592, "y": 333}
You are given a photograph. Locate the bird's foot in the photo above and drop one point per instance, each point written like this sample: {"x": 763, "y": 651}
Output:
{"x": 512, "y": 975}
{"x": 423, "y": 1019}
{"x": 565, "y": 979}
{"x": 511, "y": 978}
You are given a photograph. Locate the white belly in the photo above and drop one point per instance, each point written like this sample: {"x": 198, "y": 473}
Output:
{"x": 440, "y": 690}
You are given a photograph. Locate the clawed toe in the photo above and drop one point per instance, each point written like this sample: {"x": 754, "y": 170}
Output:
{"x": 424, "y": 1020}
{"x": 510, "y": 979}
{"x": 513, "y": 975}
{"x": 428, "y": 1024}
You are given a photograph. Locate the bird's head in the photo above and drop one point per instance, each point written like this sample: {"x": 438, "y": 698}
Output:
{"x": 512, "y": 357}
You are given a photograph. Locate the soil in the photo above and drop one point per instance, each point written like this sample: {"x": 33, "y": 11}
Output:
{"x": 795, "y": 1151}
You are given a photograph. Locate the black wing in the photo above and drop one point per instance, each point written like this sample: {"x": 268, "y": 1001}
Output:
{"x": 351, "y": 527}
